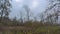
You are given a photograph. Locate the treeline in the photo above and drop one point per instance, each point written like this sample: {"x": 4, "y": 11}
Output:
{"x": 13, "y": 22}
{"x": 41, "y": 19}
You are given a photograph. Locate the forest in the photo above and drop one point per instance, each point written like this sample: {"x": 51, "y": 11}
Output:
{"x": 47, "y": 22}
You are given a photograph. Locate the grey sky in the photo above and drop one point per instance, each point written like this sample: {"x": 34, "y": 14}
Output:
{"x": 36, "y": 6}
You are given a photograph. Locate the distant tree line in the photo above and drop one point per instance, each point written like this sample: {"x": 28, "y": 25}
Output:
{"x": 46, "y": 18}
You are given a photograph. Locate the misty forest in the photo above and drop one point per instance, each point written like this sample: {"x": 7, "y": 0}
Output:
{"x": 18, "y": 17}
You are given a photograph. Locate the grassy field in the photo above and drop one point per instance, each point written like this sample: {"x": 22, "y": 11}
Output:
{"x": 29, "y": 30}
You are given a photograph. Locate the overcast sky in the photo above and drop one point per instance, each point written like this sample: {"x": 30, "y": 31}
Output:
{"x": 36, "y": 6}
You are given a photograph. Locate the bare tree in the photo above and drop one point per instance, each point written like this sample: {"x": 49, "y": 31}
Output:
{"x": 41, "y": 17}
{"x": 27, "y": 11}
{"x": 21, "y": 16}
{"x": 55, "y": 7}
{"x": 5, "y": 6}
